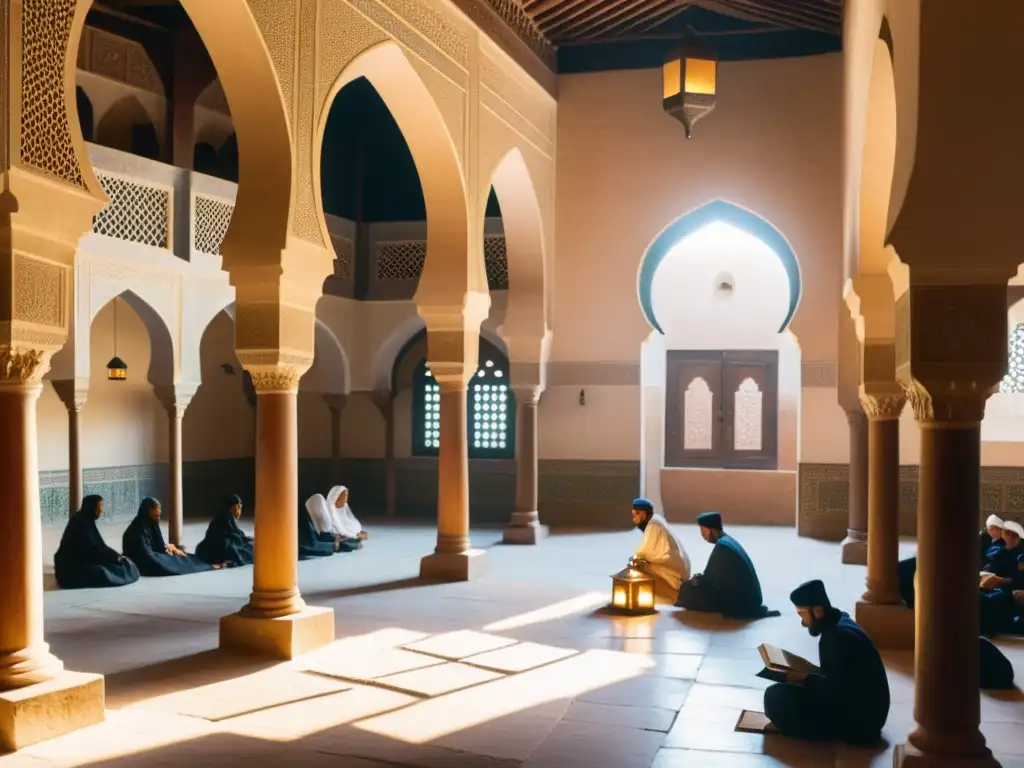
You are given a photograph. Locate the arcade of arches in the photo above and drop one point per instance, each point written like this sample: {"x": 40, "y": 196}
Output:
{"x": 326, "y": 243}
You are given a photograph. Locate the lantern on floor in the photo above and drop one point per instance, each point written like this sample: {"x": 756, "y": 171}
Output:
{"x": 117, "y": 369}
{"x": 632, "y": 591}
{"x": 689, "y": 77}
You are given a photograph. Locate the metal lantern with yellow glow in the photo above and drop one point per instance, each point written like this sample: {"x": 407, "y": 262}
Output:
{"x": 689, "y": 78}
{"x": 117, "y": 369}
{"x": 632, "y": 591}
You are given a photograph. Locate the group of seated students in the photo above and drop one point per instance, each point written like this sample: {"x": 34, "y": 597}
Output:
{"x": 84, "y": 561}
{"x": 846, "y": 697}
{"x": 1001, "y": 578}
{"x": 729, "y": 584}
{"x": 327, "y": 526}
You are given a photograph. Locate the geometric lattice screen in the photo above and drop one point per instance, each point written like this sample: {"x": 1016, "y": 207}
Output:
{"x": 1013, "y": 382}
{"x": 137, "y": 212}
{"x": 490, "y": 407}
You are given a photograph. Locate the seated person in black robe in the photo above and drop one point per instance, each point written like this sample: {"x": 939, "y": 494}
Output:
{"x": 144, "y": 543}
{"x": 225, "y": 542}
{"x": 1002, "y": 608}
{"x": 991, "y": 536}
{"x": 729, "y": 584}
{"x": 996, "y": 670}
{"x": 83, "y": 560}
{"x": 849, "y": 698}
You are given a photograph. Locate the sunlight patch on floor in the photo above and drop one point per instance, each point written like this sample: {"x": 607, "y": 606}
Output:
{"x": 553, "y": 612}
{"x": 434, "y": 718}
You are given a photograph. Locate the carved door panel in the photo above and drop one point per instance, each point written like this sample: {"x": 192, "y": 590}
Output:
{"x": 693, "y": 409}
{"x": 721, "y": 409}
{"x": 750, "y": 395}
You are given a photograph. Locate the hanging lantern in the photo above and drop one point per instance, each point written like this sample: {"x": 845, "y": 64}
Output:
{"x": 117, "y": 369}
{"x": 689, "y": 78}
{"x": 632, "y": 591}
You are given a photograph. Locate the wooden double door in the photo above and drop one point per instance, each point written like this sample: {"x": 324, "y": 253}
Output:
{"x": 721, "y": 409}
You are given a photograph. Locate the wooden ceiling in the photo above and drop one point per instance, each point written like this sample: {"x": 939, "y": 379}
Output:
{"x": 573, "y": 22}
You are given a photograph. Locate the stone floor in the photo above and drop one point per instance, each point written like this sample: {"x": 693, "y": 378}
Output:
{"x": 547, "y": 681}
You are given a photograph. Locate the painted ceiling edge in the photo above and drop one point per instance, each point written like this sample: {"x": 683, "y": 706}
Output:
{"x": 709, "y": 213}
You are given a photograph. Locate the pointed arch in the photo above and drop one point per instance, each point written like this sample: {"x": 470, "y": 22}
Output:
{"x": 434, "y": 153}
{"x": 523, "y": 224}
{"x": 161, "y": 342}
{"x": 878, "y": 162}
{"x": 729, "y": 213}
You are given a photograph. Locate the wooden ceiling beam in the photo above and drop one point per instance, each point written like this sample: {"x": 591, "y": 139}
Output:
{"x": 810, "y": 10}
{"x": 585, "y": 22}
{"x": 546, "y": 19}
{"x": 773, "y": 15}
{"x": 635, "y": 13}
{"x": 659, "y": 18}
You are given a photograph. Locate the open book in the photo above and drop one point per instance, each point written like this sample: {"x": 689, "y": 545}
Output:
{"x": 755, "y": 722}
{"x": 778, "y": 662}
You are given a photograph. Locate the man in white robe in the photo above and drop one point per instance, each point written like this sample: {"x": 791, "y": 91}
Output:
{"x": 660, "y": 553}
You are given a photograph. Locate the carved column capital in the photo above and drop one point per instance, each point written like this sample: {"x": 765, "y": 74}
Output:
{"x": 336, "y": 402}
{"x": 384, "y": 399}
{"x": 527, "y": 395}
{"x": 72, "y": 392}
{"x": 881, "y": 407}
{"x": 950, "y": 403}
{"x": 23, "y": 366}
{"x": 277, "y": 379}
{"x": 176, "y": 399}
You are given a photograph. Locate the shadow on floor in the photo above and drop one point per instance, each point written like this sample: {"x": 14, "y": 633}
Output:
{"x": 711, "y": 622}
{"x": 371, "y": 589}
{"x": 199, "y": 669}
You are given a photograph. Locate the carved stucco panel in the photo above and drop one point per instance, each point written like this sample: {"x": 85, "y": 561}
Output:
{"x": 277, "y": 24}
{"x": 424, "y": 31}
{"x": 522, "y": 103}
{"x": 307, "y": 220}
{"x": 344, "y": 34}
{"x": 451, "y": 103}
{"x": 40, "y": 292}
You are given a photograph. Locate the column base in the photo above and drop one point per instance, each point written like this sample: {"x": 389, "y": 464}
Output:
{"x": 524, "y": 534}
{"x": 855, "y": 551}
{"x": 909, "y": 756}
{"x": 68, "y": 702}
{"x": 282, "y": 638}
{"x": 459, "y": 566}
{"x": 889, "y": 626}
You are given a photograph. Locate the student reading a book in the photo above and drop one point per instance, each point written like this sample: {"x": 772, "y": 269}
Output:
{"x": 729, "y": 584}
{"x": 660, "y": 553}
{"x": 848, "y": 697}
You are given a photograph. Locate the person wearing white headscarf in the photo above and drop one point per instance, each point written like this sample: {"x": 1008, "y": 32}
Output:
{"x": 319, "y": 513}
{"x": 342, "y": 519}
{"x": 1001, "y": 568}
{"x": 990, "y": 536}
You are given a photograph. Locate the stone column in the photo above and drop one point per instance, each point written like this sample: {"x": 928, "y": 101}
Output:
{"x": 384, "y": 399}
{"x": 881, "y": 610}
{"x": 73, "y": 394}
{"x": 525, "y": 527}
{"x": 453, "y": 559}
{"x": 946, "y": 663}
{"x": 336, "y": 404}
{"x": 175, "y": 401}
{"x": 38, "y": 698}
{"x": 276, "y": 621}
{"x": 855, "y": 545}
{"x": 951, "y": 353}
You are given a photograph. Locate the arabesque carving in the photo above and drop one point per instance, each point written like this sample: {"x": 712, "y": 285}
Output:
{"x": 883, "y": 407}
{"x": 281, "y": 379}
{"x": 39, "y": 292}
{"x": 946, "y": 402}
{"x": 20, "y": 365}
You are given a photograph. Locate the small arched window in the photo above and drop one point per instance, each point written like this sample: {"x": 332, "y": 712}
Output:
{"x": 490, "y": 406}
{"x": 1013, "y": 382}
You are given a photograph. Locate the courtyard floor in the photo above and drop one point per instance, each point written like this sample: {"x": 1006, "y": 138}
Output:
{"x": 546, "y": 681}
